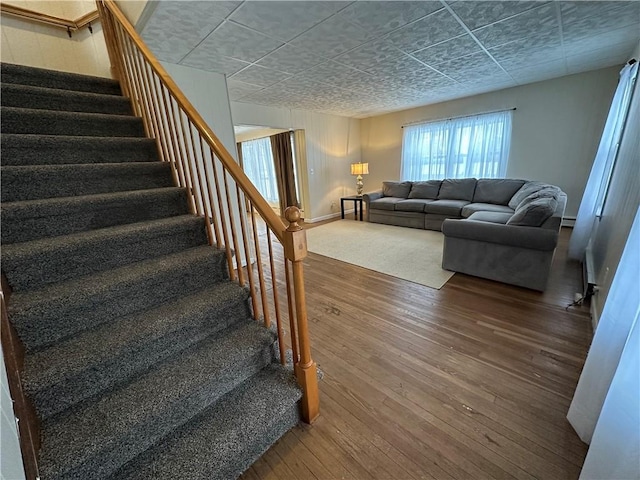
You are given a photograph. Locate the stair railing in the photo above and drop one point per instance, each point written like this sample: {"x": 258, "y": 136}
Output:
{"x": 221, "y": 193}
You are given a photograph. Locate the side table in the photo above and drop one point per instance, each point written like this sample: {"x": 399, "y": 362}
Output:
{"x": 357, "y": 202}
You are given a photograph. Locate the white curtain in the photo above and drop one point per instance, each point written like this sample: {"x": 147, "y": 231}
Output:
{"x": 257, "y": 162}
{"x": 607, "y": 398}
{"x": 596, "y": 188}
{"x": 476, "y": 146}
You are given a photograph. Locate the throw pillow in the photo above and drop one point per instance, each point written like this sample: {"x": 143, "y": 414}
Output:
{"x": 396, "y": 189}
{"x": 457, "y": 189}
{"x": 497, "y": 191}
{"x": 534, "y": 213}
{"x": 528, "y": 189}
{"x": 425, "y": 190}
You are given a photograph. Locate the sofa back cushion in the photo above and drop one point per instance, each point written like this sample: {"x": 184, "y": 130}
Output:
{"x": 497, "y": 191}
{"x": 396, "y": 189}
{"x": 425, "y": 190}
{"x": 533, "y": 212}
{"x": 529, "y": 188}
{"x": 457, "y": 189}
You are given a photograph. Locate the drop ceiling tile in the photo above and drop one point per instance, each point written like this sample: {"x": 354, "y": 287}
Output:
{"x": 368, "y": 56}
{"x": 336, "y": 74}
{"x": 332, "y": 37}
{"x": 212, "y": 62}
{"x": 601, "y": 57}
{"x": 540, "y": 21}
{"x": 284, "y": 20}
{"x": 382, "y": 17}
{"x": 477, "y": 14}
{"x": 290, "y": 59}
{"x": 236, "y": 41}
{"x": 541, "y": 71}
{"x": 435, "y": 28}
{"x": 612, "y": 37}
{"x": 576, "y": 28}
{"x": 576, "y": 12}
{"x": 239, "y": 89}
{"x": 172, "y": 31}
{"x": 257, "y": 75}
{"x": 526, "y": 52}
{"x": 448, "y": 50}
{"x": 472, "y": 67}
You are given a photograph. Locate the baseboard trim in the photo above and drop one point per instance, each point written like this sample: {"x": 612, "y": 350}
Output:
{"x": 595, "y": 318}
{"x": 568, "y": 221}
{"x": 328, "y": 217}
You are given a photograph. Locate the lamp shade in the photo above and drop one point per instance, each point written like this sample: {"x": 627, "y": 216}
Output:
{"x": 359, "y": 169}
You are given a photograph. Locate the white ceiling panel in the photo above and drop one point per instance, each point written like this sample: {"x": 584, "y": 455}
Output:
{"x": 332, "y": 37}
{"x": 383, "y": 17}
{"x": 266, "y": 16}
{"x": 290, "y": 59}
{"x": 369, "y": 57}
{"x": 432, "y": 29}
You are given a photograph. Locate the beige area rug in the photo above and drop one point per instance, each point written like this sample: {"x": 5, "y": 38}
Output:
{"x": 407, "y": 253}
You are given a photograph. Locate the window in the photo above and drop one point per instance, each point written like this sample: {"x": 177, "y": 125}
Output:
{"x": 476, "y": 146}
{"x": 257, "y": 161}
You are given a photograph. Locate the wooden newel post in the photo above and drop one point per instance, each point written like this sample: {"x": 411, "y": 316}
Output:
{"x": 295, "y": 248}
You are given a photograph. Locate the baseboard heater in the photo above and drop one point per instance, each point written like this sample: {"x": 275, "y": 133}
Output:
{"x": 588, "y": 275}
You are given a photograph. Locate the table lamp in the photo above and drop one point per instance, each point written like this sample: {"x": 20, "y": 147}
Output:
{"x": 359, "y": 169}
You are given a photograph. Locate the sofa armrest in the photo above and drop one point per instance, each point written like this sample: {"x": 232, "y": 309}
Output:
{"x": 535, "y": 238}
{"x": 368, "y": 197}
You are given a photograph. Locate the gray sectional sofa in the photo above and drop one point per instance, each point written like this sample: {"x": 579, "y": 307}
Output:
{"x": 501, "y": 229}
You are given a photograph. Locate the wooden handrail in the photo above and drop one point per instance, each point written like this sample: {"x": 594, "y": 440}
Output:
{"x": 219, "y": 191}
{"x": 51, "y": 20}
{"x": 261, "y": 205}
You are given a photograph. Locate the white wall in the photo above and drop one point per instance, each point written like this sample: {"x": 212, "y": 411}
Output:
{"x": 620, "y": 206}
{"x": 10, "y": 457}
{"x": 207, "y": 91}
{"x": 35, "y": 45}
{"x": 327, "y": 175}
{"x": 556, "y": 129}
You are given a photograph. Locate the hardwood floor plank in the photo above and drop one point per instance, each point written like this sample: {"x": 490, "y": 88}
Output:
{"x": 470, "y": 381}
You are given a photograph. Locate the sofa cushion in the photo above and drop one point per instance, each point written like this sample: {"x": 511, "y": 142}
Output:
{"x": 396, "y": 189}
{"x": 412, "y": 205}
{"x": 492, "y": 217}
{"x": 530, "y": 188}
{"x": 428, "y": 189}
{"x": 485, "y": 207}
{"x": 384, "y": 203}
{"x": 451, "y": 208}
{"x": 457, "y": 189}
{"x": 533, "y": 213}
{"x": 496, "y": 190}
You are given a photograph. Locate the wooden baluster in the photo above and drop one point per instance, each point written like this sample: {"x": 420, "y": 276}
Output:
{"x": 232, "y": 227}
{"x": 172, "y": 140}
{"x": 247, "y": 256}
{"x": 223, "y": 222}
{"x": 295, "y": 246}
{"x": 291, "y": 312}
{"x": 274, "y": 290}
{"x": 263, "y": 288}
{"x": 213, "y": 218}
{"x": 114, "y": 57}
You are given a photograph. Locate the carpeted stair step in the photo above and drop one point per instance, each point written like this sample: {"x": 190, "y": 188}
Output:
{"x": 48, "y": 315}
{"x": 18, "y": 149}
{"x": 26, "y": 96}
{"x": 111, "y": 354}
{"x": 49, "y": 122}
{"x": 40, "y": 77}
{"x": 97, "y": 437}
{"x": 53, "y": 181}
{"x": 51, "y": 217}
{"x": 239, "y": 428}
{"x": 33, "y": 265}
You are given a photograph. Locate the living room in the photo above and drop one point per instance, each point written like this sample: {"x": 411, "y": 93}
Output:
{"x": 475, "y": 379}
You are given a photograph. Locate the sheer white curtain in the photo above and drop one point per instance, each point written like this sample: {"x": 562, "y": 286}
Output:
{"x": 476, "y": 146}
{"x": 596, "y": 188}
{"x": 605, "y": 410}
{"x": 257, "y": 162}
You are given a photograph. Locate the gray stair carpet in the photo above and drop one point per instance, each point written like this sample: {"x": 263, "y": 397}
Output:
{"x": 141, "y": 356}
{"x": 19, "y": 149}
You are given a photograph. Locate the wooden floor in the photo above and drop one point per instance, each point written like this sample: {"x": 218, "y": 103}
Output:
{"x": 470, "y": 381}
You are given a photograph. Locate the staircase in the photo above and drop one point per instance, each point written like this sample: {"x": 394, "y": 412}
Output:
{"x": 142, "y": 359}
